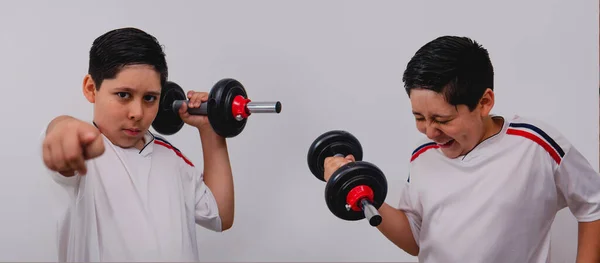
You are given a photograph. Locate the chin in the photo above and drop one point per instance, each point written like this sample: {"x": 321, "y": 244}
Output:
{"x": 127, "y": 145}
{"x": 451, "y": 153}
{"x": 123, "y": 143}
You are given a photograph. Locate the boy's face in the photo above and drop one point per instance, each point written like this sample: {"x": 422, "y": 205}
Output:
{"x": 125, "y": 107}
{"x": 454, "y": 128}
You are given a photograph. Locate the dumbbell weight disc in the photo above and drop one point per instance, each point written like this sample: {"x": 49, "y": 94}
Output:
{"x": 168, "y": 122}
{"x": 220, "y": 100}
{"x": 328, "y": 144}
{"x": 345, "y": 179}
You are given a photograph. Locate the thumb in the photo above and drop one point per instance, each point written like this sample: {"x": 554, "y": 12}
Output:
{"x": 86, "y": 136}
{"x": 183, "y": 107}
{"x": 94, "y": 148}
{"x": 350, "y": 157}
{"x": 183, "y": 114}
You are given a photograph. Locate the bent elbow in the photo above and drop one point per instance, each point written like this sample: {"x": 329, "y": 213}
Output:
{"x": 413, "y": 251}
{"x": 226, "y": 223}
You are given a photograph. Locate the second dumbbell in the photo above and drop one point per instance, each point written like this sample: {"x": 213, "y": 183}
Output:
{"x": 357, "y": 189}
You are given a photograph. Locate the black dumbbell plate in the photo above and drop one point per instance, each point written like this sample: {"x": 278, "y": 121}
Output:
{"x": 220, "y": 114}
{"x": 348, "y": 177}
{"x": 168, "y": 122}
{"x": 328, "y": 144}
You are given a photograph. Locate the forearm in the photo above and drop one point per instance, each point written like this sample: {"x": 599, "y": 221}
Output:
{"x": 396, "y": 228}
{"x": 217, "y": 174}
{"x": 588, "y": 248}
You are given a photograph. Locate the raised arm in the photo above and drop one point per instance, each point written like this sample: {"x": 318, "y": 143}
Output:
{"x": 397, "y": 228}
{"x": 217, "y": 168}
{"x": 217, "y": 174}
{"x": 399, "y": 225}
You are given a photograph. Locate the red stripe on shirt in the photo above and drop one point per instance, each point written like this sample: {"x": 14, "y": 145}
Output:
{"x": 539, "y": 141}
{"x": 422, "y": 150}
{"x": 176, "y": 152}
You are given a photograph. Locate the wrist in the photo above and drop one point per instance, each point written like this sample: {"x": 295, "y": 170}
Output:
{"x": 208, "y": 134}
{"x": 205, "y": 129}
{"x": 67, "y": 173}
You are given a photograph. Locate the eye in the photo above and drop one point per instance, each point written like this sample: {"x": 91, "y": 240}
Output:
{"x": 123, "y": 95}
{"x": 443, "y": 122}
{"x": 150, "y": 98}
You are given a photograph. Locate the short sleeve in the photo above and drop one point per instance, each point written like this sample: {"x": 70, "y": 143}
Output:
{"x": 410, "y": 205}
{"x": 409, "y": 198}
{"x": 578, "y": 185}
{"x": 207, "y": 211}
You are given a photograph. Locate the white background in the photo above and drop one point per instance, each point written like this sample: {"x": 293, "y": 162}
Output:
{"x": 332, "y": 64}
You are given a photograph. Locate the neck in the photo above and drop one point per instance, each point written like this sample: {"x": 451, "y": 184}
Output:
{"x": 492, "y": 126}
{"x": 141, "y": 143}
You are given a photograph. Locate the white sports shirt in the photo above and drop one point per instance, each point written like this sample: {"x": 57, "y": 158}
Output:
{"x": 135, "y": 205}
{"x": 498, "y": 202}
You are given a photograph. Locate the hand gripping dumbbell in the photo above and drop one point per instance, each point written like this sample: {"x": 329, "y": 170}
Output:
{"x": 227, "y": 108}
{"x": 357, "y": 189}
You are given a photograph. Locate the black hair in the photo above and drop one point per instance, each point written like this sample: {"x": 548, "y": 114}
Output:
{"x": 118, "y": 48}
{"x": 457, "y": 67}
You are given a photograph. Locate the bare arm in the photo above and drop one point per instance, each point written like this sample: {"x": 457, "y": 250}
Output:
{"x": 588, "y": 248}
{"x": 217, "y": 174}
{"x": 396, "y": 228}
{"x": 395, "y": 225}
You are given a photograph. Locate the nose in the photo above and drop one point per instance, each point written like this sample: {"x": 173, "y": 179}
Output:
{"x": 136, "y": 110}
{"x": 432, "y": 131}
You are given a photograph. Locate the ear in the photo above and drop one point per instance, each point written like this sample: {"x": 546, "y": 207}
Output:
{"x": 486, "y": 103}
{"x": 89, "y": 88}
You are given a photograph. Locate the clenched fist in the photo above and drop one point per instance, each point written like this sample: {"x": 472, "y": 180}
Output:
{"x": 333, "y": 163}
{"x": 68, "y": 143}
{"x": 195, "y": 99}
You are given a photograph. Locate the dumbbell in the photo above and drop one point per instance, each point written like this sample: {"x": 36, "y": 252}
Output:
{"x": 355, "y": 190}
{"x": 227, "y": 108}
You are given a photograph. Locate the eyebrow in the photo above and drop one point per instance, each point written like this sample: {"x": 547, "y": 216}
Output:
{"x": 128, "y": 89}
{"x": 434, "y": 115}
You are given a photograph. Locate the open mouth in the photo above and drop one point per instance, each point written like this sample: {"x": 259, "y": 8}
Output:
{"x": 446, "y": 144}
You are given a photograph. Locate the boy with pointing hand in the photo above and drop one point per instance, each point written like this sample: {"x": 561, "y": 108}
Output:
{"x": 134, "y": 196}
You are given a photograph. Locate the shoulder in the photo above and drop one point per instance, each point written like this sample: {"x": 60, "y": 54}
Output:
{"x": 158, "y": 139}
{"x": 537, "y": 126}
{"x": 540, "y": 134}
{"x": 164, "y": 143}
{"x": 421, "y": 146}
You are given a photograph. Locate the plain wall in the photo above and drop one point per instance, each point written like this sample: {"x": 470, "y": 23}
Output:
{"x": 332, "y": 64}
